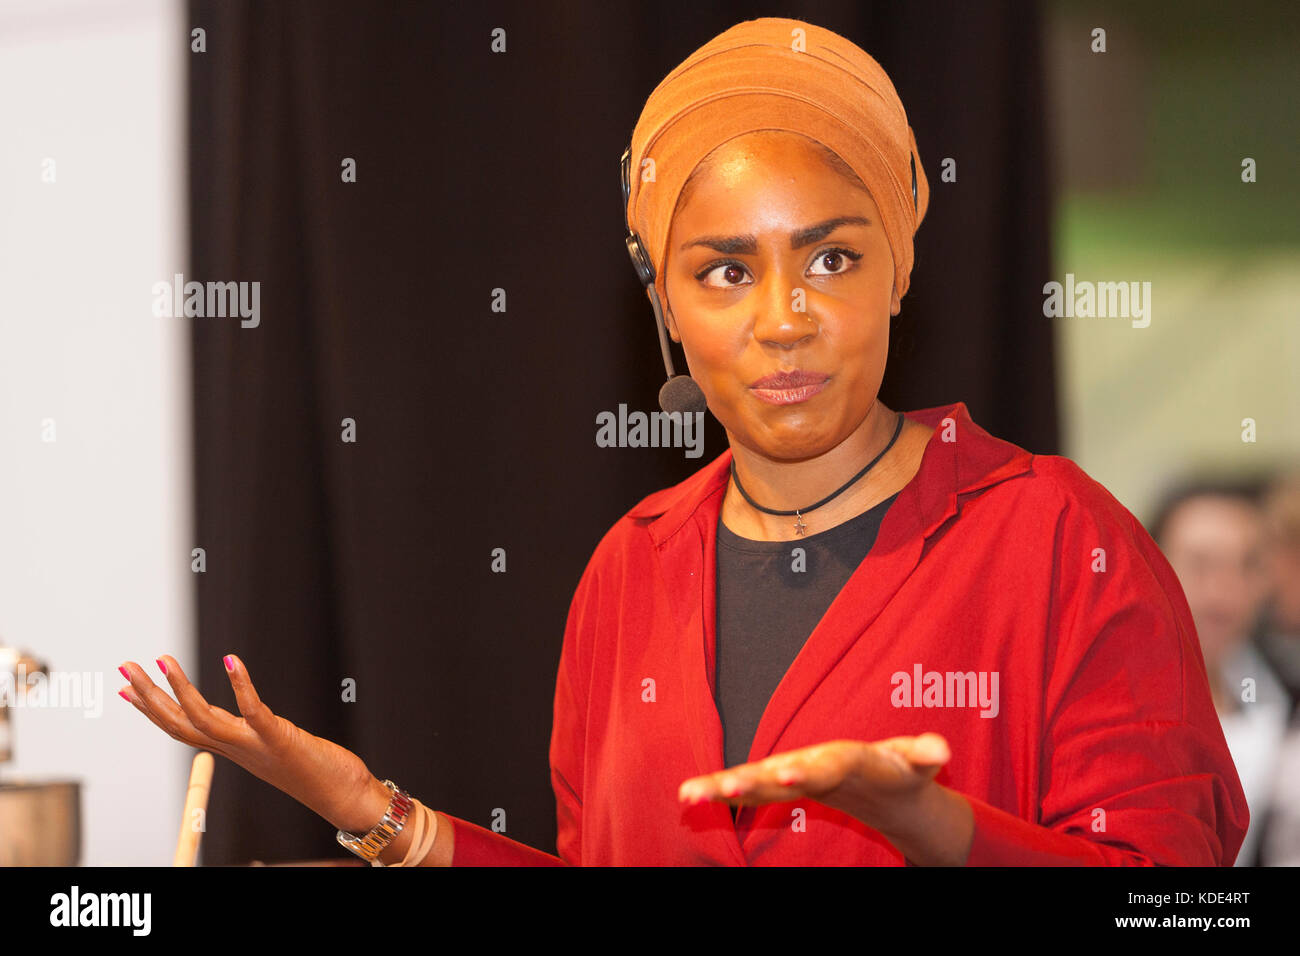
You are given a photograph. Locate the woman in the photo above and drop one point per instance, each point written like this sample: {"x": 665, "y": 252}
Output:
{"x": 856, "y": 637}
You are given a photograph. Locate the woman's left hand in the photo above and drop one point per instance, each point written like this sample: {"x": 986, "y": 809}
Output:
{"x": 878, "y": 782}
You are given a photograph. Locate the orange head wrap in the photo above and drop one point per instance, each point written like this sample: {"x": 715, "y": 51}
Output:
{"x": 776, "y": 73}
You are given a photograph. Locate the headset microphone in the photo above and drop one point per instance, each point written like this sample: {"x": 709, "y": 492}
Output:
{"x": 680, "y": 393}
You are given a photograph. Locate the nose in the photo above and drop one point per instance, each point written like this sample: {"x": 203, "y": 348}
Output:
{"x": 776, "y": 321}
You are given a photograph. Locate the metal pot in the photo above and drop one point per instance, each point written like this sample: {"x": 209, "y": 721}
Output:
{"x": 40, "y": 823}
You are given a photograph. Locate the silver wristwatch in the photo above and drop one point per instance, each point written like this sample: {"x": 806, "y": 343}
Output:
{"x": 369, "y": 847}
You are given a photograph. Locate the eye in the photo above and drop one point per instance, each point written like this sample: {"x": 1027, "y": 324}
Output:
{"x": 729, "y": 273}
{"x": 836, "y": 256}
{"x": 723, "y": 272}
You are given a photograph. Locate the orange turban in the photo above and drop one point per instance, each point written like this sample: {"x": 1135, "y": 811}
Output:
{"x": 776, "y": 73}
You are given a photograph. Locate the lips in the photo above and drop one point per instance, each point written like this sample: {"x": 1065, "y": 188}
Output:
{"x": 792, "y": 379}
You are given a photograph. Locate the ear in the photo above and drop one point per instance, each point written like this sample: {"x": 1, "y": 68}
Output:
{"x": 670, "y": 323}
{"x": 894, "y": 304}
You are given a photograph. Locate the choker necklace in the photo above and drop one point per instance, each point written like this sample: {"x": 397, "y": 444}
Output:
{"x": 799, "y": 527}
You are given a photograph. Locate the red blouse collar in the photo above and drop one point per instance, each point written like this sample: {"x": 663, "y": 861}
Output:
{"x": 960, "y": 458}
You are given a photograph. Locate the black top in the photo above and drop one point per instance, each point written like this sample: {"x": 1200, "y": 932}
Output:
{"x": 769, "y": 602}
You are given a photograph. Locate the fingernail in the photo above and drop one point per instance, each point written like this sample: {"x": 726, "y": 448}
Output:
{"x": 124, "y": 695}
{"x": 230, "y": 663}
{"x": 124, "y": 673}
{"x": 730, "y": 788}
{"x": 787, "y": 777}
{"x": 161, "y": 666}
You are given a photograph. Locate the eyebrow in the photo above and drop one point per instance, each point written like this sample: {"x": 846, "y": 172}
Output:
{"x": 748, "y": 245}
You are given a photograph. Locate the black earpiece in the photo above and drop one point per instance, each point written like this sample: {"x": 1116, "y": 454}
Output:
{"x": 680, "y": 393}
{"x": 915, "y": 207}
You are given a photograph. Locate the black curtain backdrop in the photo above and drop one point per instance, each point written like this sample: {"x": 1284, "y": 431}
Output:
{"x": 475, "y": 430}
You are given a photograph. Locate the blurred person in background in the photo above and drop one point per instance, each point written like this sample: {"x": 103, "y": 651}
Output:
{"x": 1213, "y": 535}
{"x": 1277, "y": 631}
{"x": 1277, "y": 636}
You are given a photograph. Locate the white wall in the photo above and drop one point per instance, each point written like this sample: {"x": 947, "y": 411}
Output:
{"x": 1144, "y": 406}
{"x": 95, "y": 526}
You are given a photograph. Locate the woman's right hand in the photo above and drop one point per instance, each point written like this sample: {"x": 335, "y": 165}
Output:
{"x": 321, "y": 775}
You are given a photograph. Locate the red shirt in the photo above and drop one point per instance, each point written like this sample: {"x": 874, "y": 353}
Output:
{"x": 995, "y": 570}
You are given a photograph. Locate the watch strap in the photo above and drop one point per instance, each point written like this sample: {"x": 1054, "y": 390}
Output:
{"x": 369, "y": 845}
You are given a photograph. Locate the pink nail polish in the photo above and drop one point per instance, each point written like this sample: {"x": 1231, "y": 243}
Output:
{"x": 161, "y": 666}
{"x": 125, "y": 675}
{"x": 230, "y": 663}
{"x": 124, "y": 695}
